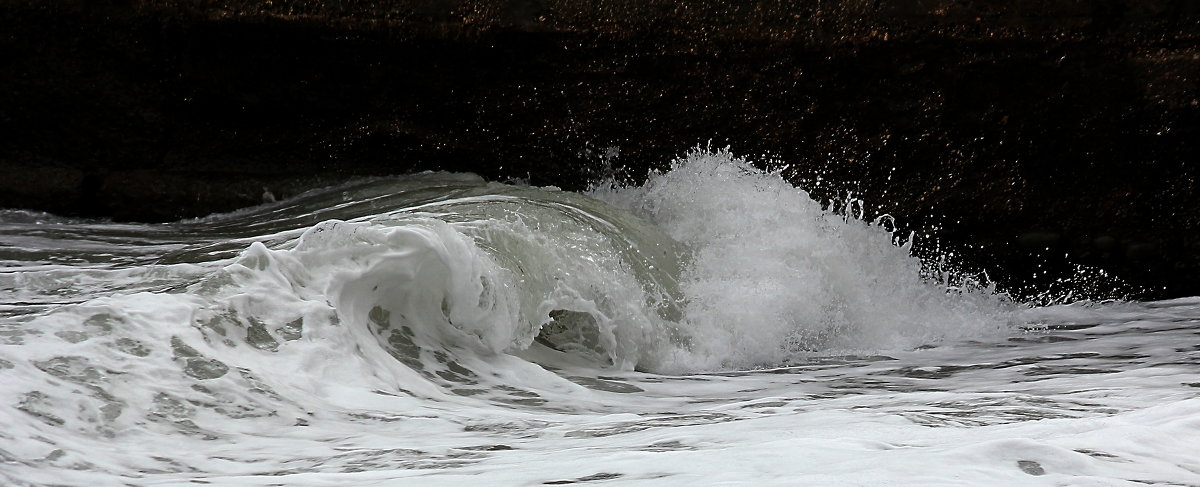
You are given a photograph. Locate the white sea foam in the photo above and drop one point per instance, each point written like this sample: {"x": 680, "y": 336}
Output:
{"x": 439, "y": 330}
{"x": 772, "y": 273}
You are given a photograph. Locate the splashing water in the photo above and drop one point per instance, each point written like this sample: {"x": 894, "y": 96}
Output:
{"x": 771, "y": 273}
{"x": 441, "y": 327}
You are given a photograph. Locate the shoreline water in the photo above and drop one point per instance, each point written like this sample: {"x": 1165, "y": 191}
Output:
{"x": 385, "y": 330}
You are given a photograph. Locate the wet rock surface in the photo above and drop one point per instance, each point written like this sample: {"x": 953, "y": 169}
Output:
{"x": 1028, "y": 136}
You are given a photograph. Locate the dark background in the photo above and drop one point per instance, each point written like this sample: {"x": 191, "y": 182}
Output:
{"x": 1026, "y": 136}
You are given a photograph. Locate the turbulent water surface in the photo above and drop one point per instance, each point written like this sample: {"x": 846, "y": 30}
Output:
{"x": 714, "y": 325}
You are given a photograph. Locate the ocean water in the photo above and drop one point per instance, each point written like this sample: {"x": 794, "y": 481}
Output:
{"x": 713, "y": 326}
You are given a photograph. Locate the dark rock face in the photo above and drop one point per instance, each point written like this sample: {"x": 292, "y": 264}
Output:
{"x": 1014, "y": 131}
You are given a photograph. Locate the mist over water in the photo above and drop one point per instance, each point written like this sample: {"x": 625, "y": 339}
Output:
{"x": 437, "y": 328}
